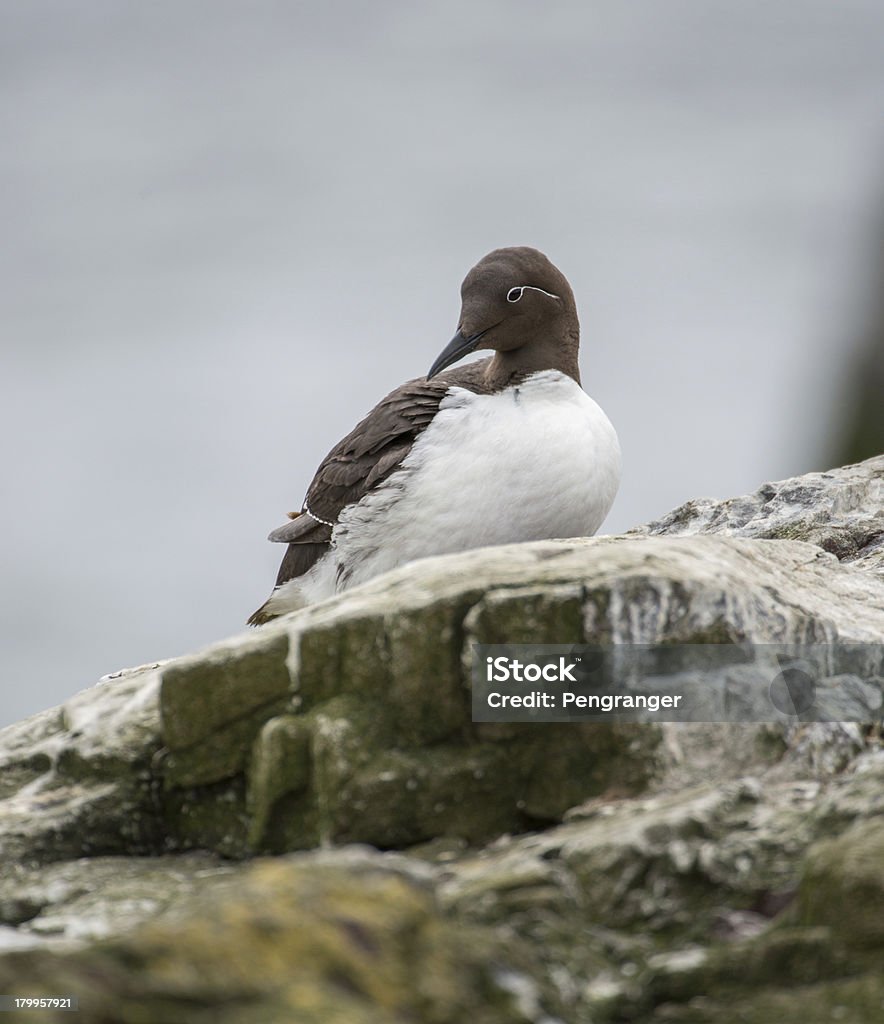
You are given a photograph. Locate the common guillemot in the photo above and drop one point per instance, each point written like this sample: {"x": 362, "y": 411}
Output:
{"x": 503, "y": 450}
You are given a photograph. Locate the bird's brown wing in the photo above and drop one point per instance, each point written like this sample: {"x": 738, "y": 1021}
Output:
{"x": 362, "y": 460}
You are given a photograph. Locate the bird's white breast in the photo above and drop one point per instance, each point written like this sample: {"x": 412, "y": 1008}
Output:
{"x": 536, "y": 461}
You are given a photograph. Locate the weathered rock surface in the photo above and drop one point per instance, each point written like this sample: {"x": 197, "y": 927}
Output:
{"x": 575, "y": 872}
{"x": 841, "y": 511}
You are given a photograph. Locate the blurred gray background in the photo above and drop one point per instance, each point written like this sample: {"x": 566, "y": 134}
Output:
{"x": 207, "y": 207}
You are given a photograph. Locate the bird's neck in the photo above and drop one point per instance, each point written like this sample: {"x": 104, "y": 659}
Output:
{"x": 552, "y": 350}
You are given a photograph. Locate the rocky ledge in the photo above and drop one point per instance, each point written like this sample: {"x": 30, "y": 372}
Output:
{"x": 303, "y": 823}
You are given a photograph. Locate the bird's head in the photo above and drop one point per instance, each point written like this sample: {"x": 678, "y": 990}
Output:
{"x": 514, "y": 301}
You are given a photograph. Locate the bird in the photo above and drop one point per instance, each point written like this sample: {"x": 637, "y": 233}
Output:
{"x": 504, "y": 449}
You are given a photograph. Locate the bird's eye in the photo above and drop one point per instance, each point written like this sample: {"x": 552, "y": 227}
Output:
{"x": 514, "y": 294}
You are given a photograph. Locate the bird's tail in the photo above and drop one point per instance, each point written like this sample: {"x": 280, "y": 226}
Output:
{"x": 262, "y": 615}
{"x": 285, "y": 598}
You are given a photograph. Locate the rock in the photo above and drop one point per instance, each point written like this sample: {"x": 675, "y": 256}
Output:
{"x": 560, "y": 872}
{"x": 79, "y": 780}
{"x": 841, "y": 511}
{"x": 353, "y": 939}
{"x": 842, "y": 886}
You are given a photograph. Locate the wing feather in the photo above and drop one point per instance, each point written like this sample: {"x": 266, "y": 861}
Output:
{"x": 364, "y": 459}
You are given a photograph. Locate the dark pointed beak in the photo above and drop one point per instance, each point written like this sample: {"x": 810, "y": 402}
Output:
{"x": 457, "y": 347}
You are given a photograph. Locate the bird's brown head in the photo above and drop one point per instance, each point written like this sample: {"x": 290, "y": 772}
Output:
{"x": 517, "y": 304}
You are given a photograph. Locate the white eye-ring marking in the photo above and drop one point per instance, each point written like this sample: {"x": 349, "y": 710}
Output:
{"x": 514, "y": 294}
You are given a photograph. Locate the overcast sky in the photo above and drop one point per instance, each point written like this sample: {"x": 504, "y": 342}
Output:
{"x": 228, "y": 228}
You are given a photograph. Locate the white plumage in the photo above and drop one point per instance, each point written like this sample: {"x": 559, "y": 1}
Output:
{"x": 534, "y": 461}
